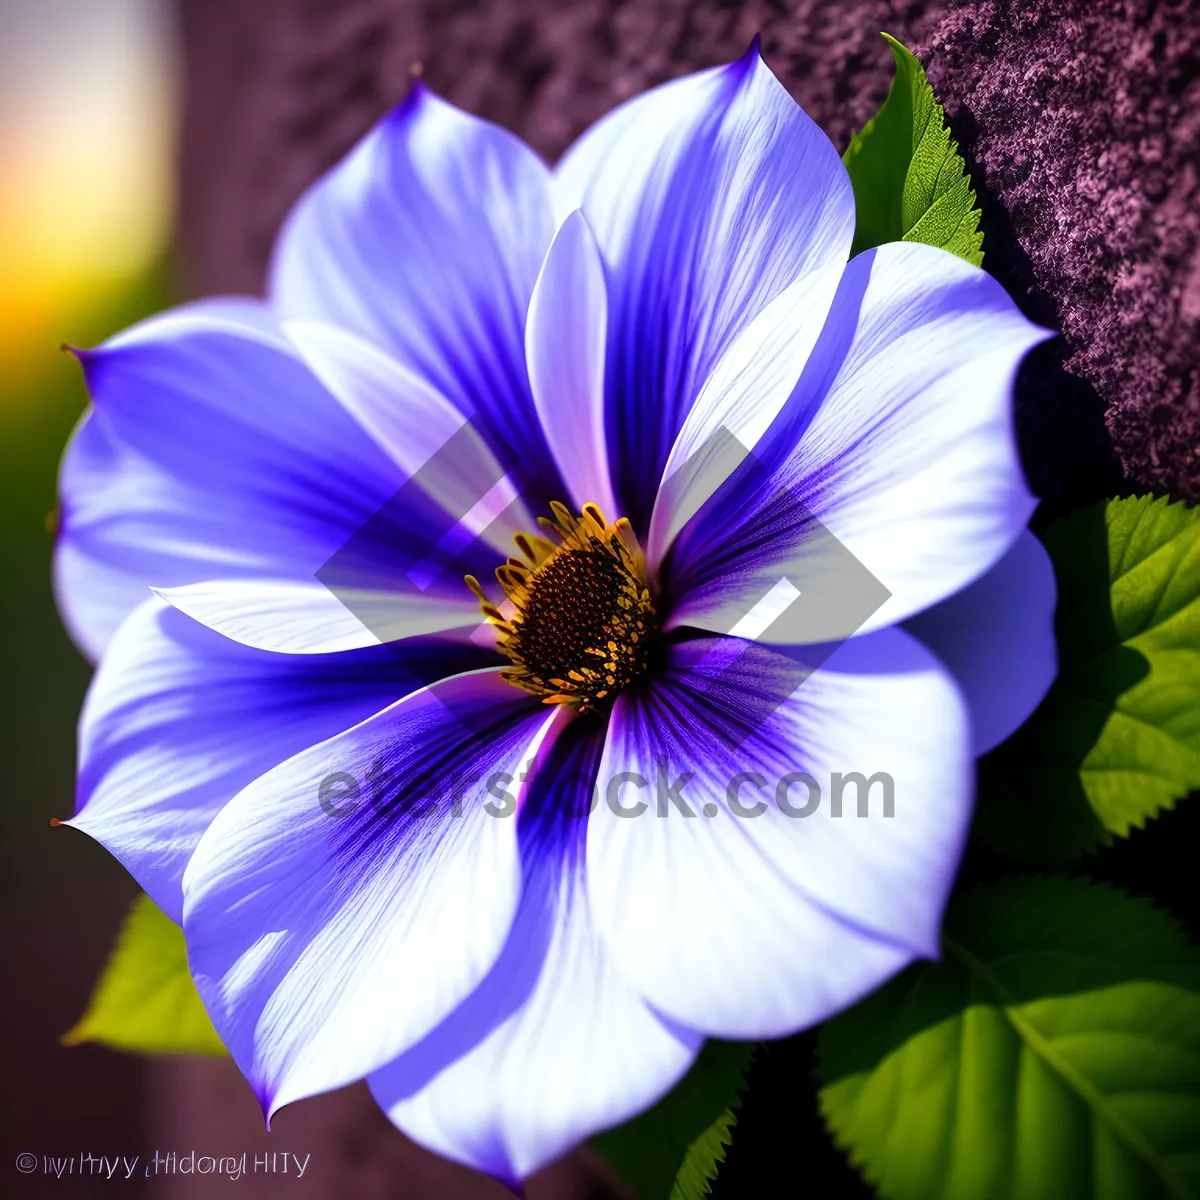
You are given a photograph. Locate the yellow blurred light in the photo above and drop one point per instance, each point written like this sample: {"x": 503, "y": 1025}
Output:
{"x": 87, "y": 115}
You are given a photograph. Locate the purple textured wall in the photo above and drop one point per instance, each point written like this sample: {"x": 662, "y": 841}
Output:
{"x": 1087, "y": 132}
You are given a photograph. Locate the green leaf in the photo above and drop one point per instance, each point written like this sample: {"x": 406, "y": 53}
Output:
{"x": 145, "y": 999}
{"x": 704, "y": 1157}
{"x": 679, "y": 1142}
{"x": 910, "y": 182}
{"x": 1118, "y": 737}
{"x": 1053, "y": 1052}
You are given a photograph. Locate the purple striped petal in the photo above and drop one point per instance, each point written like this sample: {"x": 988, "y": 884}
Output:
{"x": 899, "y": 442}
{"x": 740, "y": 401}
{"x": 213, "y": 453}
{"x": 759, "y": 922}
{"x": 325, "y": 940}
{"x": 424, "y": 434}
{"x": 426, "y": 240}
{"x": 179, "y": 719}
{"x": 708, "y": 196}
{"x": 554, "y": 1045}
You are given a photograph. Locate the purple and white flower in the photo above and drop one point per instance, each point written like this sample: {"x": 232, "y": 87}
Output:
{"x": 510, "y": 986}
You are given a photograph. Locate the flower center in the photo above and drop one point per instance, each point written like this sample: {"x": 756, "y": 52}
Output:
{"x": 582, "y": 623}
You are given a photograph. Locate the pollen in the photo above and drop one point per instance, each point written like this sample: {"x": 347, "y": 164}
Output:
{"x": 579, "y": 624}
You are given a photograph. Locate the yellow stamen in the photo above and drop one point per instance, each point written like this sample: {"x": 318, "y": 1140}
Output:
{"x": 580, "y": 598}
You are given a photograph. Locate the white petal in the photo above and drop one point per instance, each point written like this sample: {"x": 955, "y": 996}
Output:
{"x": 309, "y": 618}
{"x": 708, "y": 197}
{"x": 740, "y": 400}
{"x": 908, "y": 457}
{"x": 564, "y": 347}
{"x": 329, "y": 926}
{"x": 435, "y": 446}
{"x": 755, "y": 926}
{"x": 554, "y": 1045}
{"x": 179, "y": 719}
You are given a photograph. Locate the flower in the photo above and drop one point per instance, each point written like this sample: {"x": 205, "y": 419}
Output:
{"x": 259, "y": 521}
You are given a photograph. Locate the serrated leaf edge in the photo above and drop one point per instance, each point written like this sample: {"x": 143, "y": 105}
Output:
{"x": 723, "y": 1126}
{"x": 952, "y": 159}
{"x": 727, "y": 1121}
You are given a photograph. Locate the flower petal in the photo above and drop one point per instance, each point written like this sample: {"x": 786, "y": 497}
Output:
{"x": 554, "y": 1045}
{"x": 426, "y": 240}
{"x": 758, "y": 925}
{"x": 430, "y": 440}
{"x": 739, "y": 402}
{"x": 997, "y": 638}
{"x": 564, "y": 347}
{"x": 708, "y": 196}
{"x": 901, "y": 448}
{"x": 212, "y": 452}
{"x": 99, "y": 564}
{"x": 299, "y": 618}
{"x": 325, "y": 941}
{"x": 179, "y": 719}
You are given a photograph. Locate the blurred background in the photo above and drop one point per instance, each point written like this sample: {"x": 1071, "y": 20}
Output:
{"x": 88, "y": 106}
